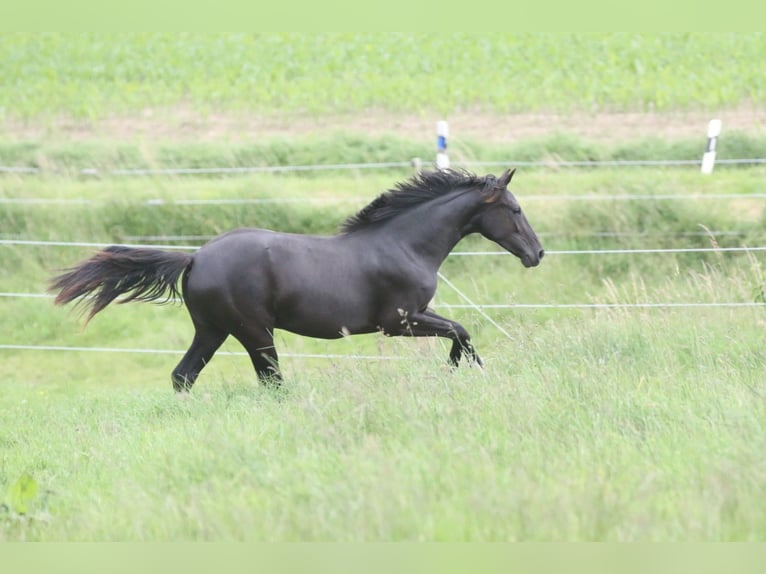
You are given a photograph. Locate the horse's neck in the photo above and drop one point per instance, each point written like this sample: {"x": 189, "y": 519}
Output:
{"x": 431, "y": 230}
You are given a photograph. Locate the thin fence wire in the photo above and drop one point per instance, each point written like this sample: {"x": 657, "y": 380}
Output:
{"x": 181, "y": 352}
{"x": 218, "y": 170}
{"x": 669, "y": 305}
{"x": 42, "y": 243}
{"x": 543, "y": 234}
{"x": 713, "y": 235}
{"x": 621, "y": 251}
{"x": 43, "y": 201}
{"x": 473, "y": 305}
{"x": 616, "y": 163}
{"x": 479, "y": 306}
{"x": 359, "y": 357}
{"x": 668, "y": 250}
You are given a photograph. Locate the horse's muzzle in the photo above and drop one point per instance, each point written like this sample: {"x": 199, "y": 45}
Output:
{"x": 533, "y": 261}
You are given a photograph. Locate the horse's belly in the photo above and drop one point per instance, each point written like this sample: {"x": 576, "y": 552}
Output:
{"x": 325, "y": 318}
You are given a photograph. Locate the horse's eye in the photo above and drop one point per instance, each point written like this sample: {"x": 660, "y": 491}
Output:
{"x": 515, "y": 209}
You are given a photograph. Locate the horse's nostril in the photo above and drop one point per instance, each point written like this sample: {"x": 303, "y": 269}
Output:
{"x": 541, "y": 254}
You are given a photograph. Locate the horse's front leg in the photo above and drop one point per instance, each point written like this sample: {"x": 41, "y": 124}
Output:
{"x": 429, "y": 324}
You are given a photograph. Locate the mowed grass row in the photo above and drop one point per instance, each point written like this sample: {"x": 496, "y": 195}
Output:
{"x": 607, "y": 424}
{"x": 93, "y": 76}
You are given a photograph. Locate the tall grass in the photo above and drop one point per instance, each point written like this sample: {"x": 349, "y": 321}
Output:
{"x": 607, "y": 424}
{"x": 608, "y": 427}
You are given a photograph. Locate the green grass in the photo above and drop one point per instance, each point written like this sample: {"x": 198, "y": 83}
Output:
{"x": 92, "y": 76}
{"x": 602, "y": 427}
{"x": 621, "y": 424}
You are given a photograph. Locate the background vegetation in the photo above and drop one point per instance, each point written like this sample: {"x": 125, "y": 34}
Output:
{"x": 96, "y": 75}
{"x": 601, "y": 423}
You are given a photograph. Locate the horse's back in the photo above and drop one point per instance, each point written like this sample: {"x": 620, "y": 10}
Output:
{"x": 231, "y": 256}
{"x": 250, "y": 245}
{"x": 252, "y": 259}
{"x": 220, "y": 255}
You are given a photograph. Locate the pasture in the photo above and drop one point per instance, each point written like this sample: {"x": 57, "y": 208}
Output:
{"x": 594, "y": 423}
{"x": 626, "y": 402}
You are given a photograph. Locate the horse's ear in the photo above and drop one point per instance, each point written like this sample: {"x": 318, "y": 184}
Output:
{"x": 505, "y": 179}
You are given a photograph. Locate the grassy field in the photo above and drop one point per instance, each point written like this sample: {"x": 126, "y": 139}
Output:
{"x": 595, "y": 428}
{"x": 611, "y": 424}
{"x": 592, "y": 423}
{"x": 94, "y": 75}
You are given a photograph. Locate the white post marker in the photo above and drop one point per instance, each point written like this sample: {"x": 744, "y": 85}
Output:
{"x": 708, "y": 159}
{"x": 442, "y": 131}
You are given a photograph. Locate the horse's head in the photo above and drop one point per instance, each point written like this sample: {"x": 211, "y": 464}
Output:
{"x": 501, "y": 220}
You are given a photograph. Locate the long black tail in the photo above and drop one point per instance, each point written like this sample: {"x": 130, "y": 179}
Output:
{"x": 142, "y": 274}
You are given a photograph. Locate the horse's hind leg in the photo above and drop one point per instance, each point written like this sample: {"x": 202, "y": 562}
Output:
{"x": 259, "y": 344}
{"x": 206, "y": 342}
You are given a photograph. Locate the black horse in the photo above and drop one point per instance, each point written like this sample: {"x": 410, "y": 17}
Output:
{"x": 378, "y": 274}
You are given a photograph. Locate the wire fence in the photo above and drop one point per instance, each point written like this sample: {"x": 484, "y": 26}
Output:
{"x": 45, "y": 201}
{"x": 11, "y": 347}
{"x": 478, "y": 307}
{"x": 511, "y": 306}
{"x": 361, "y": 357}
{"x": 228, "y": 170}
{"x": 668, "y": 250}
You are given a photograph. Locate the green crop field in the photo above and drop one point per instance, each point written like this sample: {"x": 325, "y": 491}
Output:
{"x": 94, "y": 75}
{"x": 623, "y": 395}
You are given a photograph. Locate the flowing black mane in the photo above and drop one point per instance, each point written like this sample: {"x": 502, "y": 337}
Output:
{"x": 421, "y": 188}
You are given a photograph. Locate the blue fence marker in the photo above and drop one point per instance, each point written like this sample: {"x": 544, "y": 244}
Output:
{"x": 442, "y": 132}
